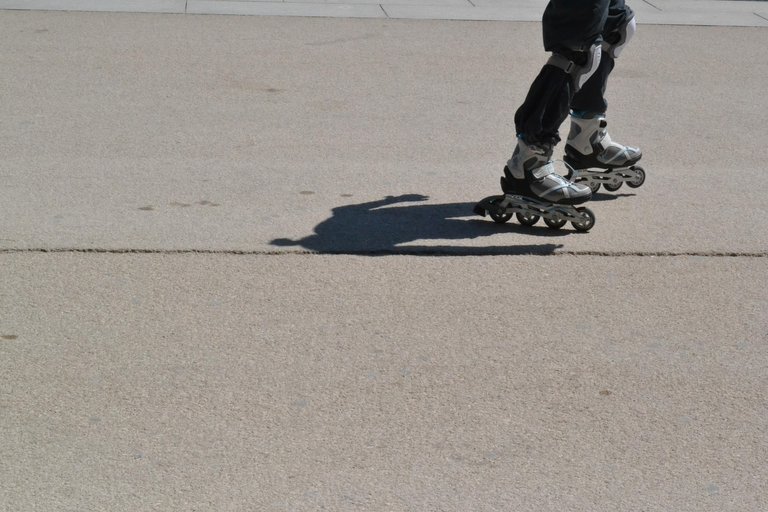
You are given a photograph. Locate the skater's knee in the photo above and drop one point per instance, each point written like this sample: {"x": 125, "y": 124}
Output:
{"x": 615, "y": 41}
{"x": 581, "y": 65}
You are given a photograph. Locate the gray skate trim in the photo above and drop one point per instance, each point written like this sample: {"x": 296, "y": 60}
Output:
{"x": 552, "y": 193}
{"x": 543, "y": 171}
{"x": 514, "y": 169}
{"x": 599, "y": 145}
{"x": 536, "y": 157}
{"x": 552, "y": 187}
{"x": 575, "y": 131}
{"x": 615, "y": 154}
{"x": 577, "y": 138}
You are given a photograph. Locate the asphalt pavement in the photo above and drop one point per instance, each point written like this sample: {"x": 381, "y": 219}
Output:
{"x": 239, "y": 269}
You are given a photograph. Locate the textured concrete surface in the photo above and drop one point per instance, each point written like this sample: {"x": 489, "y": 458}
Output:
{"x": 187, "y": 382}
{"x": 262, "y": 134}
{"x": 663, "y": 12}
{"x": 168, "y": 342}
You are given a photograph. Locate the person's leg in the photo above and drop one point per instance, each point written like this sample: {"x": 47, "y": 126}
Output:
{"x": 589, "y": 144}
{"x": 572, "y": 31}
{"x": 545, "y": 107}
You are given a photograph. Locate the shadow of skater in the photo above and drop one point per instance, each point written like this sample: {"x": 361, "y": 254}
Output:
{"x": 378, "y": 227}
{"x": 600, "y": 196}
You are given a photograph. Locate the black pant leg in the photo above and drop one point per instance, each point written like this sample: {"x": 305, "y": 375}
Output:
{"x": 573, "y": 25}
{"x": 568, "y": 26}
{"x": 591, "y": 97}
{"x": 545, "y": 107}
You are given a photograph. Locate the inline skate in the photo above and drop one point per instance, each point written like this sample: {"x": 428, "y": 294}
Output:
{"x": 533, "y": 190}
{"x": 596, "y": 160}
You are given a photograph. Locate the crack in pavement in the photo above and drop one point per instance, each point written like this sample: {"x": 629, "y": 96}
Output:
{"x": 404, "y": 251}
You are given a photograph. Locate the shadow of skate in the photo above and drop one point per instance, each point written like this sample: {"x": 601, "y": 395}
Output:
{"x": 610, "y": 196}
{"x": 391, "y": 225}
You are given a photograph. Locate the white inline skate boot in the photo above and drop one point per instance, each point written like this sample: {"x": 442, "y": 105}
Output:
{"x": 596, "y": 159}
{"x": 533, "y": 189}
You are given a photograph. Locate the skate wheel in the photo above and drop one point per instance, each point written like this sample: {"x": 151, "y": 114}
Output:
{"x": 499, "y": 217}
{"x": 554, "y": 224}
{"x": 640, "y": 177}
{"x": 588, "y": 220}
{"x": 527, "y": 219}
{"x": 594, "y": 186}
{"x": 612, "y": 188}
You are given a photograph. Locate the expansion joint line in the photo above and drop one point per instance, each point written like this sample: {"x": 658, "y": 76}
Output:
{"x": 404, "y": 251}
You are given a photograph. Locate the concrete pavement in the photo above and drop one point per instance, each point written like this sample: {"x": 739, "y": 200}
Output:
{"x": 187, "y": 382}
{"x": 193, "y": 316}
{"x": 662, "y": 12}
